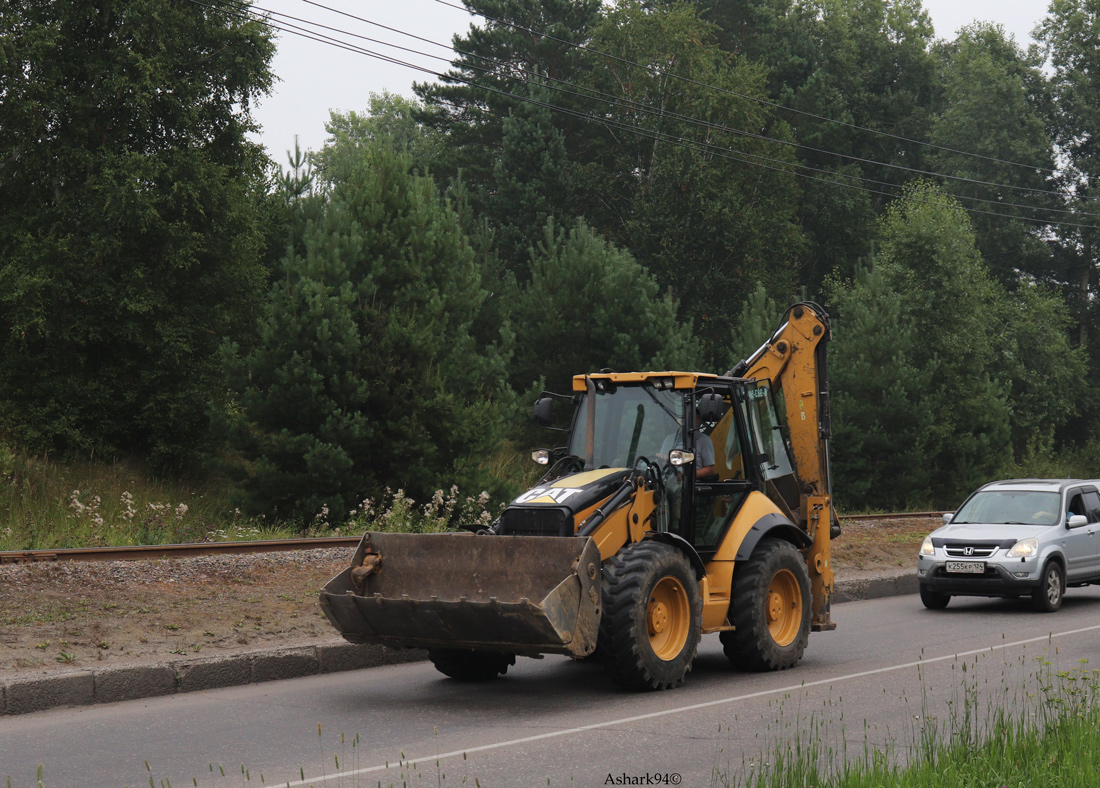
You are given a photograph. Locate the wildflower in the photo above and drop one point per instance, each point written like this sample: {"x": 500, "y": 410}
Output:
{"x": 76, "y": 505}
{"x": 181, "y": 510}
{"x": 127, "y": 503}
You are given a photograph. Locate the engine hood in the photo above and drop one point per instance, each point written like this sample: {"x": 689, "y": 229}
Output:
{"x": 987, "y": 533}
{"x": 573, "y": 493}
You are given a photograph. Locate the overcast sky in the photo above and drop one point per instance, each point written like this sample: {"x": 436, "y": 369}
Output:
{"x": 316, "y": 77}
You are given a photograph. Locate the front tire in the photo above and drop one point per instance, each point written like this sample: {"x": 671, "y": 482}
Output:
{"x": 652, "y": 617}
{"x": 470, "y": 665}
{"x": 1048, "y": 596}
{"x": 933, "y": 600}
{"x": 770, "y": 609}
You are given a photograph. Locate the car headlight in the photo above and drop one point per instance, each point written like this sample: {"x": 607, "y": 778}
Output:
{"x": 1025, "y": 548}
{"x": 926, "y": 547}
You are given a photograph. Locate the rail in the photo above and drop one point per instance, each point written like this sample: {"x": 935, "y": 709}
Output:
{"x": 893, "y": 516}
{"x": 190, "y": 550}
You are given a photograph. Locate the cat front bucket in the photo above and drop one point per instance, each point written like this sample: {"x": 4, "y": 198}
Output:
{"x": 518, "y": 594}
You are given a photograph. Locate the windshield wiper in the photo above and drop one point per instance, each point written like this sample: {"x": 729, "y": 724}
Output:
{"x": 661, "y": 405}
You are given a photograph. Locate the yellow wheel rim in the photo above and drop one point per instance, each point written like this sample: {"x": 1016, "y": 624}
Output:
{"x": 668, "y": 618}
{"x": 783, "y": 607}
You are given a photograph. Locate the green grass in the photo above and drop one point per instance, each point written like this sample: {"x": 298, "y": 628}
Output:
{"x": 1065, "y": 752}
{"x": 47, "y": 504}
{"x": 1041, "y": 730}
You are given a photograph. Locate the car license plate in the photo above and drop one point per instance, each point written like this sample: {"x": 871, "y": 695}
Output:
{"x": 967, "y": 567}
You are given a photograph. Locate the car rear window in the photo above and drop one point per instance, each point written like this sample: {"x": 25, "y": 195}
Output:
{"x": 1004, "y": 507}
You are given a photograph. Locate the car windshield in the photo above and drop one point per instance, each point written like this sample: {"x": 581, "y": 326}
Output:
{"x": 1010, "y": 507}
{"x": 631, "y": 422}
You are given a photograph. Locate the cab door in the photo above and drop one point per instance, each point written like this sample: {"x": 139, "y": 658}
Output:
{"x": 716, "y": 498}
{"x": 769, "y": 446}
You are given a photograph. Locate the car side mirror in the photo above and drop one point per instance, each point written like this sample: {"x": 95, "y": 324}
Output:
{"x": 1076, "y": 521}
{"x": 948, "y": 517}
{"x": 544, "y": 408}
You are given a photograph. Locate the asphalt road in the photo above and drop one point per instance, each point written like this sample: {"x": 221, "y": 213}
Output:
{"x": 890, "y": 669}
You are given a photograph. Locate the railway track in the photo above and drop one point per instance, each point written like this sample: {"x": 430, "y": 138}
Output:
{"x": 146, "y": 552}
{"x": 190, "y": 550}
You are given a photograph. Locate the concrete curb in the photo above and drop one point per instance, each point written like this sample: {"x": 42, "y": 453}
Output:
{"x": 109, "y": 685}
{"x": 23, "y": 695}
{"x": 875, "y": 588}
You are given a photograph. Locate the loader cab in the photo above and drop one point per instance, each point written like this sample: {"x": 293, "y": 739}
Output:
{"x": 640, "y": 419}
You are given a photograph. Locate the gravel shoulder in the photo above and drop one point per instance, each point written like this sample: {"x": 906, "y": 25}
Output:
{"x": 59, "y": 617}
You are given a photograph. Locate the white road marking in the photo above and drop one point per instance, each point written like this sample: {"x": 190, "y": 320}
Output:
{"x": 683, "y": 709}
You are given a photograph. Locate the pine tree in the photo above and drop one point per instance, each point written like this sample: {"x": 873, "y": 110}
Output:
{"x": 688, "y": 200}
{"x": 529, "y": 183}
{"x": 130, "y": 232}
{"x": 590, "y": 306}
{"x": 755, "y": 325}
{"x": 993, "y": 103}
{"x": 367, "y": 375}
{"x": 882, "y": 418}
{"x": 519, "y": 41}
{"x": 929, "y": 253}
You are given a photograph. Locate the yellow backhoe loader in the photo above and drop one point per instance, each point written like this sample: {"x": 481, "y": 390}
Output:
{"x": 681, "y": 504}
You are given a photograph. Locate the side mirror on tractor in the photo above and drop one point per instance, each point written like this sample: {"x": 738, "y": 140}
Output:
{"x": 711, "y": 408}
{"x": 543, "y": 411}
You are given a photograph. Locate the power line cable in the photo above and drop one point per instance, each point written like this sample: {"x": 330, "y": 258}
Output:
{"x": 756, "y": 99}
{"x": 619, "y": 100}
{"x": 738, "y": 156}
{"x": 742, "y": 132}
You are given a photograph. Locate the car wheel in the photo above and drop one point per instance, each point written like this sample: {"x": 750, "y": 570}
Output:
{"x": 1048, "y": 596}
{"x": 933, "y": 600}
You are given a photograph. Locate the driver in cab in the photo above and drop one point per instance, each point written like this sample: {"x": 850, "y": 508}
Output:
{"x": 704, "y": 452}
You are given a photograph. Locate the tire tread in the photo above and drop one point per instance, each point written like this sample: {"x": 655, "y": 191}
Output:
{"x": 750, "y": 645}
{"x": 626, "y": 577}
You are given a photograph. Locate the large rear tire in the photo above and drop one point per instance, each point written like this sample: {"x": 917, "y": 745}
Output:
{"x": 470, "y": 665}
{"x": 652, "y": 617}
{"x": 770, "y": 609}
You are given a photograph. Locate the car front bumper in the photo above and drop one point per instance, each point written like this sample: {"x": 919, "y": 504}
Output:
{"x": 1004, "y": 577}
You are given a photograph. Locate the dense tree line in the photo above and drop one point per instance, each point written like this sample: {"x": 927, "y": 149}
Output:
{"x": 629, "y": 185}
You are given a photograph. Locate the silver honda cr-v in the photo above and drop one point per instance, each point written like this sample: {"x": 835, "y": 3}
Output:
{"x": 1024, "y": 536}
